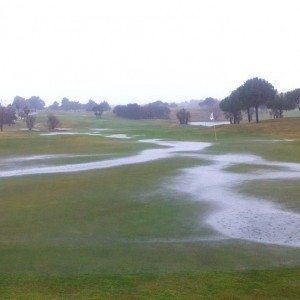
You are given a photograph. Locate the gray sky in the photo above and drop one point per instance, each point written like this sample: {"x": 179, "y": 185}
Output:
{"x": 139, "y": 51}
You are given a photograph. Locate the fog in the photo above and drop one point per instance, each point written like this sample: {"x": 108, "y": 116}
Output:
{"x": 142, "y": 51}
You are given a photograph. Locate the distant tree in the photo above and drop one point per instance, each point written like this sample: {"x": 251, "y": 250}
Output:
{"x": 173, "y": 105}
{"x": 118, "y": 110}
{"x": 154, "y": 110}
{"x": 279, "y": 104}
{"x": 129, "y": 111}
{"x": 228, "y": 116}
{"x": 66, "y": 104}
{"x": 98, "y": 111}
{"x": 23, "y": 114}
{"x": 294, "y": 97}
{"x": 211, "y": 105}
{"x": 2, "y": 117}
{"x": 209, "y": 102}
{"x": 76, "y": 105}
{"x": 100, "y": 108}
{"x": 30, "y": 122}
{"x": 255, "y": 92}
{"x": 183, "y": 116}
{"x": 7, "y": 116}
{"x": 52, "y": 122}
{"x": 90, "y": 105}
{"x": 105, "y": 106}
{"x": 26, "y": 110}
{"x": 245, "y": 102}
{"x": 19, "y": 103}
{"x": 35, "y": 103}
{"x": 54, "y": 106}
{"x": 232, "y": 107}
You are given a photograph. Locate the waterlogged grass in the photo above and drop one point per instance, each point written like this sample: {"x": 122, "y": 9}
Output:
{"x": 283, "y": 192}
{"x": 247, "y": 168}
{"x": 33, "y": 143}
{"x": 121, "y": 233}
{"x": 122, "y": 202}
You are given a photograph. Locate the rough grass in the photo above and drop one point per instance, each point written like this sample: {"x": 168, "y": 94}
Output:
{"x": 262, "y": 284}
{"x": 283, "y": 192}
{"x": 33, "y": 143}
{"x": 92, "y": 234}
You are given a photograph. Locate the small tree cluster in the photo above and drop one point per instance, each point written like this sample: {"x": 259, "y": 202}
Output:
{"x": 293, "y": 97}
{"x": 52, "y": 122}
{"x": 232, "y": 108}
{"x": 155, "y": 110}
{"x": 280, "y": 104}
{"x": 7, "y": 116}
{"x": 183, "y": 116}
{"x": 33, "y": 103}
{"x": 98, "y": 109}
{"x": 68, "y": 105}
{"x": 255, "y": 93}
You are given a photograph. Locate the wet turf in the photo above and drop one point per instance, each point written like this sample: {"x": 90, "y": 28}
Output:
{"x": 75, "y": 228}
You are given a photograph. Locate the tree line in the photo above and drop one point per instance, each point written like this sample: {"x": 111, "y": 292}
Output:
{"x": 69, "y": 105}
{"x": 255, "y": 93}
{"x": 155, "y": 110}
{"x": 35, "y": 103}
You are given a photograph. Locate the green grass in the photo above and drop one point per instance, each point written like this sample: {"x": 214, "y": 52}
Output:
{"x": 106, "y": 233}
{"x": 260, "y": 284}
{"x": 284, "y": 192}
{"x": 253, "y": 168}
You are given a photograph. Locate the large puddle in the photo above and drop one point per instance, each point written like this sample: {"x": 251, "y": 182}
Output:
{"x": 235, "y": 216}
{"x": 169, "y": 149}
{"x": 209, "y": 123}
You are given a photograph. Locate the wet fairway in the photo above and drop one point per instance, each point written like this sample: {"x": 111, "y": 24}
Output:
{"x": 119, "y": 206}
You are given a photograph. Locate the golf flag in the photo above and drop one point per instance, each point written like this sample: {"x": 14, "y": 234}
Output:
{"x": 212, "y": 116}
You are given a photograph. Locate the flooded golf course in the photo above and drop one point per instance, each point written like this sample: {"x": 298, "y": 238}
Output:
{"x": 234, "y": 215}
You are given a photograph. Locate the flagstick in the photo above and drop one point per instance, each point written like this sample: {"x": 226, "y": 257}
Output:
{"x": 212, "y": 118}
{"x": 215, "y": 132}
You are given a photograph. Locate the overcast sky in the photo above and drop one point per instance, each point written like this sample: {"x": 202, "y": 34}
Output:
{"x": 139, "y": 51}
